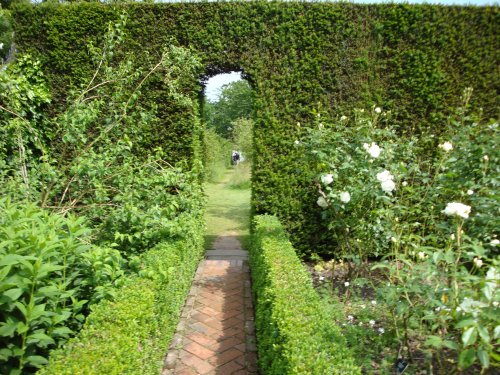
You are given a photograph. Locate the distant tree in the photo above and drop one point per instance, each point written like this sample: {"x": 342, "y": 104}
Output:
{"x": 235, "y": 102}
{"x": 242, "y": 137}
{"x": 5, "y": 33}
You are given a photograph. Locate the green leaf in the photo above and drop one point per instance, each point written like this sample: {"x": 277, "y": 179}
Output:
{"x": 484, "y": 357}
{"x": 46, "y": 269}
{"x": 13, "y": 294}
{"x": 5, "y": 354}
{"x": 451, "y": 344}
{"x": 483, "y": 333}
{"x": 488, "y": 291}
{"x": 496, "y": 332}
{"x": 469, "y": 336}
{"x": 8, "y": 329}
{"x": 40, "y": 337}
{"x": 22, "y": 327}
{"x": 36, "y": 360}
{"x": 4, "y": 272}
{"x": 465, "y": 323}
{"x": 434, "y": 341}
{"x": 62, "y": 331}
{"x": 21, "y": 308}
{"x": 37, "y": 312}
{"x": 466, "y": 358}
{"x": 10, "y": 259}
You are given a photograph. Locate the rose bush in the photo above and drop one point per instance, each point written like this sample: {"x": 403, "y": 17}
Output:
{"x": 424, "y": 211}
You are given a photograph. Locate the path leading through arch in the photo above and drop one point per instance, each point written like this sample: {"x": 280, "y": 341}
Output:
{"x": 216, "y": 334}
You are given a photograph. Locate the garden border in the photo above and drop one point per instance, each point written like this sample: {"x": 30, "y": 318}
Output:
{"x": 294, "y": 332}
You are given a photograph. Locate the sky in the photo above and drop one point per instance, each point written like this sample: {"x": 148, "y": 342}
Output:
{"x": 214, "y": 84}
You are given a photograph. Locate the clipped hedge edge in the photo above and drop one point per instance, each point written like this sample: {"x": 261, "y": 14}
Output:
{"x": 132, "y": 333}
{"x": 295, "y": 333}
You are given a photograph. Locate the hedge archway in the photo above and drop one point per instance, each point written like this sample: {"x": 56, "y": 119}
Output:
{"x": 301, "y": 59}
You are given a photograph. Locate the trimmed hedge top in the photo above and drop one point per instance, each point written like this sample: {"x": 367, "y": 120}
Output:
{"x": 301, "y": 58}
{"x": 296, "y": 334}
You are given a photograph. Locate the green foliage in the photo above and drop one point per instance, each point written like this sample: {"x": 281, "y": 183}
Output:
{"x": 129, "y": 334}
{"x": 411, "y": 59}
{"x": 295, "y": 334}
{"x": 243, "y": 137}
{"x": 48, "y": 274}
{"x": 241, "y": 178}
{"x": 99, "y": 158}
{"x": 5, "y": 33}
{"x": 429, "y": 207}
{"x": 235, "y": 102}
{"x": 93, "y": 158}
{"x": 216, "y": 155}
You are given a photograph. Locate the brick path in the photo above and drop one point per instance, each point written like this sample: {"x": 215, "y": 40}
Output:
{"x": 216, "y": 334}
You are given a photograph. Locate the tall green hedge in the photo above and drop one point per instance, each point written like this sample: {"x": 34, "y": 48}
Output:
{"x": 300, "y": 58}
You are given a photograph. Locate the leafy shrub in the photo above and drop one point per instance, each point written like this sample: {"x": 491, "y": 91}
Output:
{"x": 243, "y": 137}
{"x": 427, "y": 204}
{"x": 295, "y": 334}
{"x": 413, "y": 59}
{"x": 95, "y": 158}
{"x": 48, "y": 278}
{"x": 5, "y": 33}
{"x": 92, "y": 160}
{"x": 129, "y": 335}
{"x": 216, "y": 156}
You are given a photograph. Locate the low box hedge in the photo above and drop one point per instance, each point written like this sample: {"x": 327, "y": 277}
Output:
{"x": 295, "y": 333}
{"x": 131, "y": 334}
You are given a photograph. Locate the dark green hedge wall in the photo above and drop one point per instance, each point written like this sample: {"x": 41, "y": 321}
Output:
{"x": 300, "y": 58}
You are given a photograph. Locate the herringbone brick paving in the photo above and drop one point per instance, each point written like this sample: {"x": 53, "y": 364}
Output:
{"x": 216, "y": 334}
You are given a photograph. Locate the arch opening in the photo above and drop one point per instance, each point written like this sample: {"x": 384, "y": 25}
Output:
{"x": 227, "y": 115}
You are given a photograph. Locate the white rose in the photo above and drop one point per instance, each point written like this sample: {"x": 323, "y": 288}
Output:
{"x": 446, "y": 146}
{"x": 327, "y": 179}
{"x": 385, "y": 175}
{"x": 322, "y": 202}
{"x": 458, "y": 209}
{"x": 374, "y": 150}
{"x": 388, "y": 186}
{"x": 345, "y": 196}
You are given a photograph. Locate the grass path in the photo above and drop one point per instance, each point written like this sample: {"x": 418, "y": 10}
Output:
{"x": 228, "y": 210}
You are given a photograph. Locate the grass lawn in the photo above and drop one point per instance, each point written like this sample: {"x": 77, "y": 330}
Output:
{"x": 228, "y": 208}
